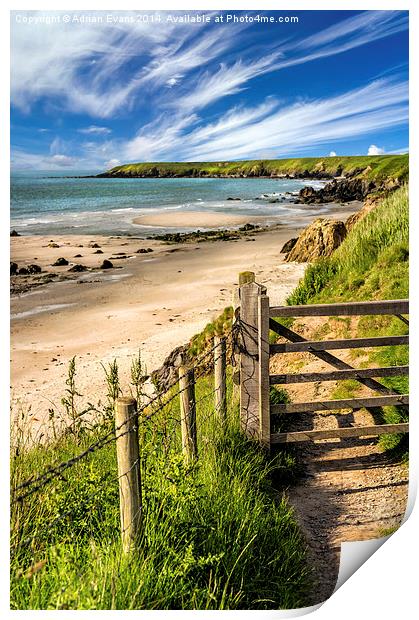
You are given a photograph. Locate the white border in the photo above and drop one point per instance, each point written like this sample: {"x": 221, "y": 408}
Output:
{"x": 385, "y": 586}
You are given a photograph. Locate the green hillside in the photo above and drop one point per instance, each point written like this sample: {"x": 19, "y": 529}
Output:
{"x": 372, "y": 263}
{"x": 369, "y": 167}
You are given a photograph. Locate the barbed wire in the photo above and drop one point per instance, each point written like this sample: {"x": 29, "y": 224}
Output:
{"x": 57, "y": 470}
{"x": 172, "y": 420}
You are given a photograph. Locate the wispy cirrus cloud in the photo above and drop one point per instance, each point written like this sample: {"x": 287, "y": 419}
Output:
{"x": 353, "y": 32}
{"x": 227, "y": 80}
{"x": 245, "y": 133}
{"x": 75, "y": 63}
{"x": 95, "y": 130}
{"x": 179, "y": 84}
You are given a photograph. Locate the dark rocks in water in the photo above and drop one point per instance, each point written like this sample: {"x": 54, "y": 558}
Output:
{"x": 94, "y": 245}
{"x": 343, "y": 190}
{"x": 13, "y": 269}
{"x": 77, "y": 255}
{"x": 98, "y": 252}
{"x": 60, "y": 262}
{"x": 34, "y": 269}
{"x": 144, "y": 250}
{"x": 248, "y": 227}
{"x": 78, "y": 268}
{"x": 23, "y": 271}
{"x": 14, "y": 233}
{"x": 233, "y": 198}
{"x": 288, "y": 245}
{"x": 106, "y": 264}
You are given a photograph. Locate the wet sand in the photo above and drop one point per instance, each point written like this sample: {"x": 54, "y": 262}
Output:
{"x": 200, "y": 219}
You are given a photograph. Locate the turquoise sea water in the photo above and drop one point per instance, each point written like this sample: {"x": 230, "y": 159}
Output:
{"x": 48, "y": 202}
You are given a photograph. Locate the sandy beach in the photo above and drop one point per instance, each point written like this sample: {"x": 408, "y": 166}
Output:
{"x": 200, "y": 219}
{"x": 153, "y": 301}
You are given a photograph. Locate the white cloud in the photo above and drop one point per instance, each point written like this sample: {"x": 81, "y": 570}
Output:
{"x": 62, "y": 161}
{"x": 94, "y": 129}
{"x": 23, "y": 160}
{"x": 332, "y": 154}
{"x": 173, "y": 81}
{"x": 375, "y": 150}
{"x": 112, "y": 163}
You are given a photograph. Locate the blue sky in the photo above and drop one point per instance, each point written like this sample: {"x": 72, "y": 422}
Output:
{"x": 93, "y": 95}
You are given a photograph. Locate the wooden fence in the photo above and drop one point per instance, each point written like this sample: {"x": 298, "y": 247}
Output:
{"x": 257, "y": 318}
{"x": 127, "y": 438}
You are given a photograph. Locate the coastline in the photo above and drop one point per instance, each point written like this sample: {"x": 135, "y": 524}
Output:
{"x": 153, "y": 301}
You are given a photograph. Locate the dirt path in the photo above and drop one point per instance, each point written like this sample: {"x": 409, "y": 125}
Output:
{"x": 351, "y": 491}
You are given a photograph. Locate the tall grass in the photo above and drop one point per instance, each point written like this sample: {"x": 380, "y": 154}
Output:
{"x": 217, "y": 535}
{"x": 371, "y": 263}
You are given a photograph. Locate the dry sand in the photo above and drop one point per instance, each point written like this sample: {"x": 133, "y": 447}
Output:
{"x": 153, "y": 302}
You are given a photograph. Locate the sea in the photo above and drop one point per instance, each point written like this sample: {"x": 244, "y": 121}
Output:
{"x": 44, "y": 202}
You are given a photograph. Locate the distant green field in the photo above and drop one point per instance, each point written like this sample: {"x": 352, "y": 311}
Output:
{"x": 369, "y": 167}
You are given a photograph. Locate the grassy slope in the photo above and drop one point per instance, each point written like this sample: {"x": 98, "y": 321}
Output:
{"x": 372, "y": 263}
{"x": 372, "y": 167}
{"x": 217, "y": 536}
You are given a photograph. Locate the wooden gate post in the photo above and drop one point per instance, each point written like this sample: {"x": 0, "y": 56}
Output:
{"x": 220, "y": 362}
{"x": 264, "y": 384}
{"x": 188, "y": 413}
{"x": 129, "y": 473}
{"x": 250, "y": 398}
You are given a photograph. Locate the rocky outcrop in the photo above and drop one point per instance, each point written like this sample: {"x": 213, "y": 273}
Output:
{"x": 13, "y": 269}
{"x": 77, "y": 268}
{"x": 318, "y": 240}
{"x": 288, "y": 245}
{"x": 33, "y": 268}
{"x": 14, "y": 233}
{"x": 167, "y": 374}
{"x": 60, "y": 262}
{"x": 345, "y": 190}
{"x": 107, "y": 264}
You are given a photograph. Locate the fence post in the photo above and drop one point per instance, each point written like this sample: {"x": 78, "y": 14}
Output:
{"x": 220, "y": 362}
{"x": 249, "y": 293}
{"x": 129, "y": 473}
{"x": 264, "y": 385}
{"x": 188, "y": 413}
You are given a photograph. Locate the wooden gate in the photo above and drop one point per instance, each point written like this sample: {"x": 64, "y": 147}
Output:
{"x": 257, "y": 318}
